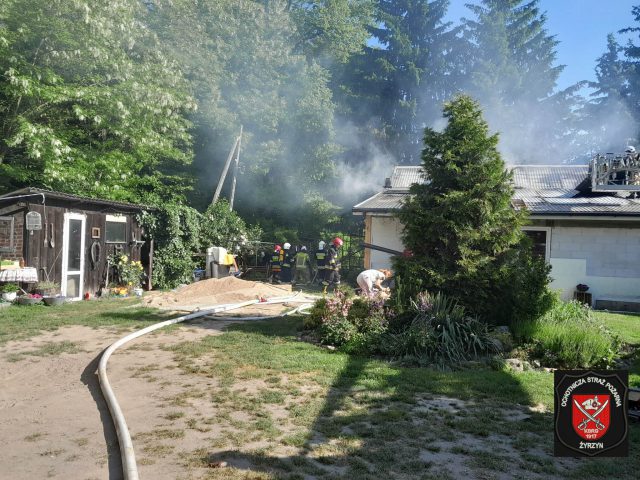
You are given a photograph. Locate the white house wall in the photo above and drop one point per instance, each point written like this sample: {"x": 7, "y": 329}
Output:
{"x": 385, "y": 232}
{"x": 606, "y": 259}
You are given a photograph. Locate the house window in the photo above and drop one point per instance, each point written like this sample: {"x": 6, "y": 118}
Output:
{"x": 7, "y": 235}
{"x": 116, "y": 229}
{"x": 540, "y": 239}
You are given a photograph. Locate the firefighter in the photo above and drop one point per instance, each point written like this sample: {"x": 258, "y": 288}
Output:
{"x": 276, "y": 264}
{"x": 320, "y": 256}
{"x": 288, "y": 261}
{"x": 303, "y": 267}
{"x": 332, "y": 276}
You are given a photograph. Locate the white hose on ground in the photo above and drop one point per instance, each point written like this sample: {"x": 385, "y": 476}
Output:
{"x": 129, "y": 466}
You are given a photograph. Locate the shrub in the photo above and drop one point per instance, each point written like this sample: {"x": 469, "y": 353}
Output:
{"x": 440, "y": 333}
{"x": 569, "y": 336}
{"x": 353, "y": 324}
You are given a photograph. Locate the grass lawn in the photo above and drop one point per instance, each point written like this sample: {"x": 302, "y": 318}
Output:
{"x": 288, "y": 409}
{"x": 283, "y": 408}
{"x": 19, "y": 322}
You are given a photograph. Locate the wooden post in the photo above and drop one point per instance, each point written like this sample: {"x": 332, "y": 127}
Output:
{"x": 224, "y": 172}
{"x": 150, "y": 273}
{"x": 235, "y": 171}
{"x": 367, "y": 239}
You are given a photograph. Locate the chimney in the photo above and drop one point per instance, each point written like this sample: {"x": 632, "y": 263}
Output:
{"x": 387, "y": 182}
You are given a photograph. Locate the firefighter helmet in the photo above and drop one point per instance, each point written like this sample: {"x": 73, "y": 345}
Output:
{"x": 630, "y": 149}
{"x": 337, "y": 242}
{"x": 278, "y": 248}
{"x": 287, "y": 246}
{"x": 321, "y": 245}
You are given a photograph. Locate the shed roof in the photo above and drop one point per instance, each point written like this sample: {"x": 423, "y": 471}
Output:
{"x": 31, "y": 191}
{"x": 405, "y": 176}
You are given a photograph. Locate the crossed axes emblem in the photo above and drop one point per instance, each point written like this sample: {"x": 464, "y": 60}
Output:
{"x": 591, "y": 418}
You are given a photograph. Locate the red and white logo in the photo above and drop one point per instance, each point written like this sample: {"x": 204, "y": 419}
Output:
{"x": 591, "y": 415}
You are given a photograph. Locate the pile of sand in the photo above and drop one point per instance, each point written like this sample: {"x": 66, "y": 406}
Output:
{"x": 215, "y": 291}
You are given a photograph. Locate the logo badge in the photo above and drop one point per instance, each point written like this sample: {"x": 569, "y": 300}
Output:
{"x": 591, "y": 413}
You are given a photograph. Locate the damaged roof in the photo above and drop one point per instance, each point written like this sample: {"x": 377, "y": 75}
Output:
{"x": 544, "y": 190}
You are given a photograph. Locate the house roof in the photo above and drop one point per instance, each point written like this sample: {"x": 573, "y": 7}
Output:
{"x": 30, "y": 191}
{"x": 544, "y": 190}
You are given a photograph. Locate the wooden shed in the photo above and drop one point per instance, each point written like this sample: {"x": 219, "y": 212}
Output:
{"x": 72, "y": 239}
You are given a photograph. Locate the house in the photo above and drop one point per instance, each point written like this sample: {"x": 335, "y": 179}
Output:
{"x": 587, "y": 237}
{"x": 67, "y": 238}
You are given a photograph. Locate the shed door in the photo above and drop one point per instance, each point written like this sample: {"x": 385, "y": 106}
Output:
{"x": 73, "y": 256}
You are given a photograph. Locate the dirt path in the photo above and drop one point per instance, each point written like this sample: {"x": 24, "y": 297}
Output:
{"x": 53, "y": 420}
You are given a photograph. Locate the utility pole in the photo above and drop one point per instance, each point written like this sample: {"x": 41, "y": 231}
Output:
{"x": 235, "y": 171}
{"x": 223, "y": 176}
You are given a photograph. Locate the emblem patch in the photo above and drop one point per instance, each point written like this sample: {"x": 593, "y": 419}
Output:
{"x": 591, "y": 413}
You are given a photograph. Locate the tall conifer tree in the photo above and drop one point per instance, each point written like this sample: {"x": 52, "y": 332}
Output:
{"x": 460, "y": 227}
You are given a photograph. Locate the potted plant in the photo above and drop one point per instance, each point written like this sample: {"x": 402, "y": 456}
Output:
{"x": 9, "y": 291}
{"x": 29, "y": 299}
{"x": 47, "y": 289}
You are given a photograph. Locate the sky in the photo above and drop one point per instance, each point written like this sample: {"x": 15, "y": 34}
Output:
{"x": 581, "y": 26}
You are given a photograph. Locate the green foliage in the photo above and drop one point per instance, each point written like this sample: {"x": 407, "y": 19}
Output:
{"x": 396, "y": 86}
{"x": 9, "y": 288}
{"x": 440, "y": 333}
{"x": 512, "y": 70}
{"x": 354, "y": 324}
{"x": 569, "y": 336}
{"x": 460, "y": 226}
{"x": 244, "y": 69}
{"x": 180, "y": 232}
{"x": 89, "y": 103}
{"x": 128, "y": 272}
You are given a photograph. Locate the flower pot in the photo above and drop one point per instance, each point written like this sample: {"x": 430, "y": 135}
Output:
{"x": 28, "y": 301}
{"x": 53, "y": 301}
{"x": 9, "y": 297}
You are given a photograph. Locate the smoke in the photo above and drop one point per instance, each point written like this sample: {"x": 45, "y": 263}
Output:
{"x": 363, "y": 171}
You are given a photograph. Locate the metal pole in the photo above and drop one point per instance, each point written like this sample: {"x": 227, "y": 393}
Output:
{"x": 235, "y": 171}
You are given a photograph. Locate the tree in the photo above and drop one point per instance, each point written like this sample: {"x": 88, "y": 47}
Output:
{"x": 463, "y": 234}
{"x": 88, "y": 102}
{"x": 241, "y": 62}
{"x": 396, "y": 86}
{"x": 331, "y": 30}
{"x": 513, "y": 75}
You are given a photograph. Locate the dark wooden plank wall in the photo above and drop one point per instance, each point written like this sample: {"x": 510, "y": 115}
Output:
{"x": 48, "y": 259}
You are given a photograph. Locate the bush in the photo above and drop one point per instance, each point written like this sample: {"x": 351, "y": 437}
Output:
{"x": 356, "y": 325}
{"x": 569, "y": 336}
{"x": 440, "y": 333}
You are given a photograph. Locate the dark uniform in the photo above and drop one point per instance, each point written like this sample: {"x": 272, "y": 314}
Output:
{"x": 332, "y": 269}
{"x": 321, "y": 261}
{"x": 276, "y": 265}
{"x": 288, "y": 261}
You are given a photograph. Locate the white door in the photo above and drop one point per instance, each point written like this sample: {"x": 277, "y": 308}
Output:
{"x": 73, "y": 256}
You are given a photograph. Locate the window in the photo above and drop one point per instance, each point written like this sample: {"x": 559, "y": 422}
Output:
{"x": 540, "y": 237}
{"x": 6, "y": 235}
{"x": 116, "y": 229}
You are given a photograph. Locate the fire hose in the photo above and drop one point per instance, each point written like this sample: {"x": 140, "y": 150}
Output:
{"x": 127, "y": 454}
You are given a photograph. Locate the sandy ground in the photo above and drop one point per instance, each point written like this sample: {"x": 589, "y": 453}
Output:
{"x": 53, "y": 420}
{"x": 214, "y": 292}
